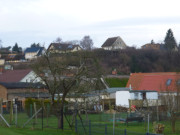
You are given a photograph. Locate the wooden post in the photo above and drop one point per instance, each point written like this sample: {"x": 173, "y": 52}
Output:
{"x": 11, "y": 112}
{"x": 1, "y": 106}
{"x": 157, "y": 110}
{"x": 35, "y": 110}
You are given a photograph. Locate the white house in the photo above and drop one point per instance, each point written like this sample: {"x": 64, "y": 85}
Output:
{"x": 23, "y": 75}
{"x": 114, "y": 43}
{"x": 33, "y": 52}
{"x": 63, "y": 48}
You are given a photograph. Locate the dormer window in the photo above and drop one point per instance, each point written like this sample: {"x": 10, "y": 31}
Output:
{"x": 168, "y": 82}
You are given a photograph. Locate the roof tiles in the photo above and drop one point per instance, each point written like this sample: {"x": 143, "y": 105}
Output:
{"x": 154, "y": 81}
{"x": 13, "y": 75}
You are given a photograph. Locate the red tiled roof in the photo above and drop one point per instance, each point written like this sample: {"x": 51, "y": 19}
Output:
{"x": 153, "y": 81}
{"x": 13, "y": 75}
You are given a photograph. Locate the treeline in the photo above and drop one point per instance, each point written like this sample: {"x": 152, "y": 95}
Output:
{"x": 133, "y": 60}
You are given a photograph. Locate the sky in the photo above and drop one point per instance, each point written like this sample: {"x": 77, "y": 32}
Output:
{"x": 137, "y": 22}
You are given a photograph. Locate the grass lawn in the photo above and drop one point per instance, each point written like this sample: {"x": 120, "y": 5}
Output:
{"x": 35, "y": 129}
{"x": 116, "y": 82}
{"x": 24, "y": 131}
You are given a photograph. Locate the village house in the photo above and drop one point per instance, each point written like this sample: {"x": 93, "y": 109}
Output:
{"x": 33, "y": 52}
{"x": 23, "y": 75}
{"x": 114, "y": 43}
{"x": 154, "y": 46}
{"x": 161, "y": 81}
{"x": 165, "y": 83}
{"x": 22, "y": 90}
{"x": 63, "y": 48}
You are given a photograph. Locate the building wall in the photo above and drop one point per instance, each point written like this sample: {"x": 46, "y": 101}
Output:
{"x": 138, "y": 95}
{"x": 2, "y": 61}
{"x": 18, "y": 93}
{"x": 3, "y": 92}
{"x": 30, "y": 56}
{"x": 119, "y": 44}
{"x": 31, "y": 77}
{"x": 122, "y": 98}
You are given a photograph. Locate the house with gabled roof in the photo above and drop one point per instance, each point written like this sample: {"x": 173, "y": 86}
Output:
{"x": 33, "y": 52}
{"x": 23, "y": 75}
{"x": 114, "y": 43}
{"x": 161, "y": 81}
{"x": 63, "y": 48}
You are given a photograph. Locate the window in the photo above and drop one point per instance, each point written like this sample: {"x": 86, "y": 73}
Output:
{"x": 144, "y": 96}
{"x": 168, "y": 82}
{"x": 135, "y": 95}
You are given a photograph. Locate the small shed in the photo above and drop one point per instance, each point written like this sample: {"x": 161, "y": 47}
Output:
{"x": 127, "y": 97}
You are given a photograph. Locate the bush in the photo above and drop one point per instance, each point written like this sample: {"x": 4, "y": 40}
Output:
{"x": 29, "y": 104}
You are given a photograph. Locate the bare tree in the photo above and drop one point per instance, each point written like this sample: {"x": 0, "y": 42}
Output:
{"x": 86, "y": 43}
{"x": 171, "y": 101}
{"x": 58, "y": 40}
{"x": 63, "y": 74}
{"x": 73, "y": 42}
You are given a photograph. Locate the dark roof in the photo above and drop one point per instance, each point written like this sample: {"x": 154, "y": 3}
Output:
{"x": 109, "y": 41}
{"x": 32, "y": 95}
{"x": 34, "y": 49}
{"x": 63, "y": 46}
{"x": 13, "y": 75}
{"x": 21, "y": 85}
{"x": 15, "y": 57}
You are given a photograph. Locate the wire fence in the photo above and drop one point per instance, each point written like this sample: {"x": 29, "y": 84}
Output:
{"x": 84, "y": 123}
{"x": 91, "y": 128}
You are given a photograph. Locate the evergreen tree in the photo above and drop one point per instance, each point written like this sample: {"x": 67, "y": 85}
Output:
{"x": 170, "y": 42}
{"x": 15, "y": 48}
{"x": 35, "y": 45}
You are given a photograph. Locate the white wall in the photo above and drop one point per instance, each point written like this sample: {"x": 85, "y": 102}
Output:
{"x": 30, "y": 55}
{"x": 31, "y": 77}
{"x": 138, "y": 95}
{"x": 152, "y": 95}
{"x": 122, "y": 98}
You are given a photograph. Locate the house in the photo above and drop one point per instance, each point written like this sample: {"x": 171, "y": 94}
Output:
{"x": 12, "y": 57}
{"x": 33, "y": 52}
{"x": 161, "y": 82}
{"x": 22, "y": 90}
{"x": 63, "y": 48}
{"x": 114, "y": 43}
{"x": 5, "y": 50}
{"x": 24, "y": 75}
{"x": 154, "y": 46}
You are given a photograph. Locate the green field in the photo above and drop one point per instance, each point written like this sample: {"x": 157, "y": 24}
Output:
{"x": 116, "y": 82}
{"x": 25, "y": 131}
{"x": 97, "y": 120}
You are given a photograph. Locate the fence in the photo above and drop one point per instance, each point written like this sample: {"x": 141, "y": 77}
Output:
{"x": 35, "y": 117}
{"x": 92, "y": 128}
{"x": 38, "y": 117}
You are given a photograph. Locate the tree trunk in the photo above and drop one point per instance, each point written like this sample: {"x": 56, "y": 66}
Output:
{"x": 173, "y": 122}
{"x": 61, "y": 117}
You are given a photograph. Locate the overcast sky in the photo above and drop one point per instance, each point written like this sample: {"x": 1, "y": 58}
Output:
{"x": 137, "y": 22}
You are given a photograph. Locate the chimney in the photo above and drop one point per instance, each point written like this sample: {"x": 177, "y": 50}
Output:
{"x": 130, "y": 87}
